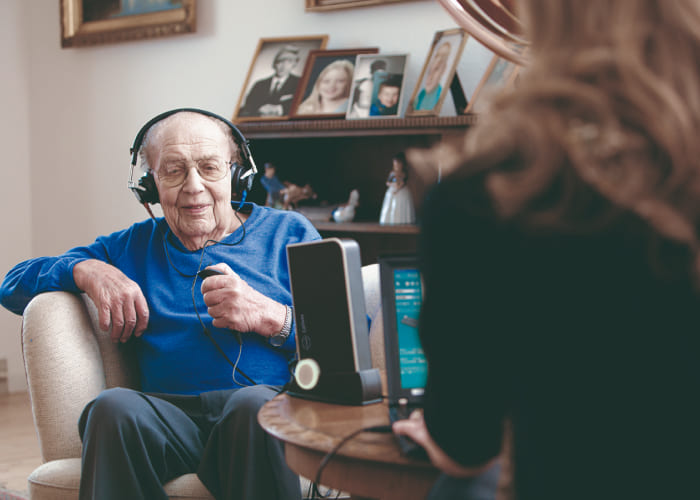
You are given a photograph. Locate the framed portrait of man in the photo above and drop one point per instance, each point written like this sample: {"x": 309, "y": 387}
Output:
{"x": 437, "y": 73}
{"x": 273, "y": 77}
{"x": 324, "y": 91}
{"x": 377, "y": 86}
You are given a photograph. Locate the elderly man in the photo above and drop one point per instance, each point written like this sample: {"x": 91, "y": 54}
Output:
{"x": 273, "y": 96}
{"x": 196, "y": 413}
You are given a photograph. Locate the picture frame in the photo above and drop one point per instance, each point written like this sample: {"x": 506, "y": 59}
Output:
{"x": 334, "y": 68}
{"x": 500, "y": 73}
{"x": 377, "y": 86}
{"x": 438, "y": 72}
{"x": 326, "y": 5}
{"x": 102, "y": 21}
{"x": 280, "y": 62}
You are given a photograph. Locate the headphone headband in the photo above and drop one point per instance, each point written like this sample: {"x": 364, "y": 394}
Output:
{"x": 241, "y": 175}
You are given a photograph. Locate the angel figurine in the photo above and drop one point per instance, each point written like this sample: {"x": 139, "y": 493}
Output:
{"x": 397, "y": 207}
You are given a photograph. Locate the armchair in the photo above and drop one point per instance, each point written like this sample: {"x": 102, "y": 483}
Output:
{"x": 69, "y": 361}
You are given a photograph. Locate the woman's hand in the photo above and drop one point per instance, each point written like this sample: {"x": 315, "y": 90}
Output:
{"x": 415, "y": 428}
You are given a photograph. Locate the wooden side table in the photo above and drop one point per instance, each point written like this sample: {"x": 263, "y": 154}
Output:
{"x": 370, "y": 465}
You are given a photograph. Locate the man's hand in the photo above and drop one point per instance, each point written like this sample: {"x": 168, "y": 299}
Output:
{"x": 120, "y": 303}
{"x": 270, "y": 110}
{"x": 237, "y": 306}
{"x": 416, "y": 429}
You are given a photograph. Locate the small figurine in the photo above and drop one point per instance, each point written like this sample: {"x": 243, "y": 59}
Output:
{"x": 293, "y": 194}
{"x": 346, "y": 213}
{"x": 397, "y": 207}
{"x": 273, "y": 186}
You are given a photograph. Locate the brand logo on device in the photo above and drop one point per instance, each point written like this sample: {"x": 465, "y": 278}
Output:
{"x": 306, "y": 342}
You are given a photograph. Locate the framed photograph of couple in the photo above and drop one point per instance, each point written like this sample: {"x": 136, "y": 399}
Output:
{"x": 500, "y": 74}
{"x": 324, "y": 91}
{"x": 274, "y": 77}
{"x": 437, "y": 73}
{"x": 93, "y": 22}
{"x": 377, "y": 86}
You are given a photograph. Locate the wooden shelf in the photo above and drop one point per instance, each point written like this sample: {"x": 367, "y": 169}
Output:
{"x": 366, "y": 227}
{"x": 338, "y": 155}
{"x": 425, "y": 125}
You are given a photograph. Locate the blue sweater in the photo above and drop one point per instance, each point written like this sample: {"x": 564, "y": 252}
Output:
{"x": 174, "y": 354}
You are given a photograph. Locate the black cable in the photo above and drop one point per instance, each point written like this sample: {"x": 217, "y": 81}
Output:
{"x": 194, "y": 282}
{"x": 334, "y": 450}
{"x": 199, "y": 317}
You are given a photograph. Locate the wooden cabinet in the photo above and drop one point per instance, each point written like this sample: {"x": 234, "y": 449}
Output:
{"x": 337, "y": 156}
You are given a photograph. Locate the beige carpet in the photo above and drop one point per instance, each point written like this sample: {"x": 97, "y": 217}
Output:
{"x": 9, "y": 495}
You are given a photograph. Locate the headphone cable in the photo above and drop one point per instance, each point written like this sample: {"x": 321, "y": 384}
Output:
{"x": 194, "y": 303}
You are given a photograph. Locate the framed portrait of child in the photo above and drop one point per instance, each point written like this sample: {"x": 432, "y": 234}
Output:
{"x": 377, "y": 87}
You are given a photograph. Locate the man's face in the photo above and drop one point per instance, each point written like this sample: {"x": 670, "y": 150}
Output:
{"x": 197, "y": 209}
{"x": 284, "y": 64}
{"x": 437, "y": 67}
{"x": 388, "y": 96}
{"x": 365, "y": 90}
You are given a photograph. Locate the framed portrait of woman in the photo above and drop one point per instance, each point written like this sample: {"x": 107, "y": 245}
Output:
{"x": 324, "y": 91}
{"x": 377, "y": 87}
{"x": 437, "y": 73}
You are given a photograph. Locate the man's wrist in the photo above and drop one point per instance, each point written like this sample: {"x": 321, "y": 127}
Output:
{"x": 278, "y": 339}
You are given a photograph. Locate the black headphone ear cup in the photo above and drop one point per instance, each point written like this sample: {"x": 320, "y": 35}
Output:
{"x": 148, "y": 192}
{"x": 238, "y": 184}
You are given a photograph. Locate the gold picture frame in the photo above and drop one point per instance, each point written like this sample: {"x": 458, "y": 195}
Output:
{"x": 326, "y": 5}
{"x": 500, "y": 73}
{"x": 101, "y": 22}
{"x": 438, "y": 71}
{"x": 257, "y": 101}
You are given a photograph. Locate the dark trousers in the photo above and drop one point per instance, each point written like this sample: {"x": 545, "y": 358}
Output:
{"x": 481, "y": 487}
{"x": 133, "y": 443}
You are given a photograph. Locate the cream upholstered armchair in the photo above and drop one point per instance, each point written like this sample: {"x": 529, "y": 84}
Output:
{"x": 69, "y": 361}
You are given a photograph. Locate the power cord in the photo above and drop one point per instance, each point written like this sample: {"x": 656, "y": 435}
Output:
{"x": 315, "y": 493}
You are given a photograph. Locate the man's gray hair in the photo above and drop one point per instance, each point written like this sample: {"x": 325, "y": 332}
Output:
{"x": 148, "y": 138}
{"x": 289, "y": 49}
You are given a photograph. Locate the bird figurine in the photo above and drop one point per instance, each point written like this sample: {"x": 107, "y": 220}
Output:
{"x": 346, "y": 213}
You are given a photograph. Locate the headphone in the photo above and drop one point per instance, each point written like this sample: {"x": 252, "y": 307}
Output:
{"x": 242, "y": 176}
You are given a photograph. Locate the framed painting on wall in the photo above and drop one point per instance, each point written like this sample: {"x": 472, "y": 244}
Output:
{"x": 324, "y": 91}
{"x": 437, "y": 73}
{"x": 93, "y": 22}
{"x": 325, "y": 5}
{"x": 274, "y": 76}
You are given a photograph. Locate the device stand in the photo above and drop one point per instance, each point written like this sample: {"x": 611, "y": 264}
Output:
{"x": 347, "y": 388}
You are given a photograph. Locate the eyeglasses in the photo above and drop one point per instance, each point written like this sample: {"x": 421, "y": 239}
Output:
{"x": 172, "y": 174}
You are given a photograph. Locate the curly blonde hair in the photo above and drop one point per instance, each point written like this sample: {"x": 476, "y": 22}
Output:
{"x": 607, "y": 107}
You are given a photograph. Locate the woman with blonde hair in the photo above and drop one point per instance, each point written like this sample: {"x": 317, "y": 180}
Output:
{"x": 560, "y": 260}
{"x": 331, "y": 90}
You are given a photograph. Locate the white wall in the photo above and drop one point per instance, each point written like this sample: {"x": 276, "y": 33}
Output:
{"x": 70, "y": 115}
{"x": 15, "y": 170}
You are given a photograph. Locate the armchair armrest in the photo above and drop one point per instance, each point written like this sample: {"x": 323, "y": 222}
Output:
{"x": 63, "y": 358}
